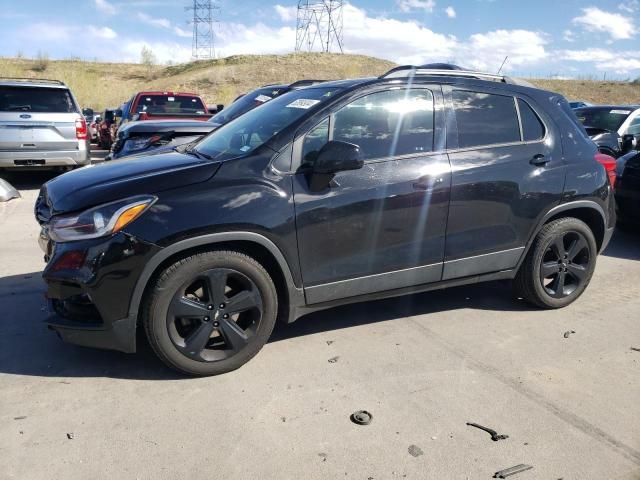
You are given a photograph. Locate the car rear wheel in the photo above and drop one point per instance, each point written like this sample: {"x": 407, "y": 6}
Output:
{"x": 559, "y": 265}
{"x": 211, "y": 312}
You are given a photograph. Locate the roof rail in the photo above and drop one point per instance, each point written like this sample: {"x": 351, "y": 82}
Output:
{"x": 306, "y": 83}
{"x": 411, "y": 70}
{"x": 33, "y": 80}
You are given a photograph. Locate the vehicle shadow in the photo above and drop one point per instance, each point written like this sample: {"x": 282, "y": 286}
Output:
{"x": 624, "y": 244}
{"x": 29, "y": 180}
{"x": 27, "y": 347}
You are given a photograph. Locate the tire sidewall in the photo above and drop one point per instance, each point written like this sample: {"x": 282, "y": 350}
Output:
{"x": 562, "y": 228}
{"x": 167, "y": 287}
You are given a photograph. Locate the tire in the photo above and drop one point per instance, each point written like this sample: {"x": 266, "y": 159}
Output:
{"x": 222, "y": 301}
{"x": 559, "y": 265}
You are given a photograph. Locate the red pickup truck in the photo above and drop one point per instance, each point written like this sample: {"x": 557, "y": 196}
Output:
{"x": 165, "y": 106}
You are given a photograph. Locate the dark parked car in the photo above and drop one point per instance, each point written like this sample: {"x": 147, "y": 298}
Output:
{"x": 139, "y": 137}
{"x": 628, "y": 188}
{"x": 579, "y": 104}
{"x": 614, "y": 128}
{"x": 336, "y": 193}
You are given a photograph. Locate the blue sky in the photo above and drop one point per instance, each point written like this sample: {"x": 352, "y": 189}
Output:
{"x": 564, "y": 38}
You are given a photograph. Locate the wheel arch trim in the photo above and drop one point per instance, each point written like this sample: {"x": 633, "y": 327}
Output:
{"x": 203, "y": 240}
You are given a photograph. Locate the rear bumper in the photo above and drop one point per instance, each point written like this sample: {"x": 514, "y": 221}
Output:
{"x": 23, "y": 159}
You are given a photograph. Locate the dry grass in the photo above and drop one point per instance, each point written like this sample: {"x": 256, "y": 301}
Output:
{"x": 101, "y": 85}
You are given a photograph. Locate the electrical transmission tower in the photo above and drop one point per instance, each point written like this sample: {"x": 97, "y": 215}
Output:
{"x": 319, "y": 26}
{"x": 203, "y": 19}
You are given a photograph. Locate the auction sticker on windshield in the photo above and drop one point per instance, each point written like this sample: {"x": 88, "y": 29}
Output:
{"x": 303, "y": 103}
{"x": 620, "y": 112}
{"x": 262, "y": 98}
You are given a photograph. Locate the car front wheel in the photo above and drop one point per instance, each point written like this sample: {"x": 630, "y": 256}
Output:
{"x": 559, "y": 265}
{"x": 211, "y": 312}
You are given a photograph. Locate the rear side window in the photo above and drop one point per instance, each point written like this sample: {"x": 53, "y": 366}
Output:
{"x": 485, "y": 119}
{"x": 35, "y": 99}
{"x": 532, "y": 126}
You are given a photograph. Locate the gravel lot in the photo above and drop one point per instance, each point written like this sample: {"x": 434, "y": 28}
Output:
{"x": 423, "y": 365}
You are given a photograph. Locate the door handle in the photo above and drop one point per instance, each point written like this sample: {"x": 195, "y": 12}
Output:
{"x": 539, "y": 160}
{"x": 424, "y": 183}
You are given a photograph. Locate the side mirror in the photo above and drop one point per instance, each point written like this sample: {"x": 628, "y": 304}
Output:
{"x": 628, "y": 143}
{"x": 220, "y": 107}
{"x": 118, "y": 113}
{"x": 336, "y": 156}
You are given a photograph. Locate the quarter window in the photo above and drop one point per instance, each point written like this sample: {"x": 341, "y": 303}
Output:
{"x": 387, "y": 124}
{"x": 532, "y": 126}
{"x": 634, "y": 126}
{"x": 485, "y": 119}
{"x": 314, "y": 141}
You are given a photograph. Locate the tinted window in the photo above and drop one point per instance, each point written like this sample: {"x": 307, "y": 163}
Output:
{"x": 34, "y": 99}
{"x": 485, "y": 119}
{"x": 605, "y": 118}
{"x": 246, "y": 103}
{"x": 395, "y": 122}
{"x": 160, "y": 104}
{"x": 314, "y": 141}
{"x": 532, "y": 126}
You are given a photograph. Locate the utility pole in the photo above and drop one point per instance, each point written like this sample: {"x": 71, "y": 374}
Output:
{"x": 319, "y": 26}
{"x": 204, "y": 11}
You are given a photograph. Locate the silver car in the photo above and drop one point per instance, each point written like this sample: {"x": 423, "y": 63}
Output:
{"x": 41, "y": 125}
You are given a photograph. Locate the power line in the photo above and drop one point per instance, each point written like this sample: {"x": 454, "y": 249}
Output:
{"x": 319, "y": 26}
{"x": 204, "y": 12}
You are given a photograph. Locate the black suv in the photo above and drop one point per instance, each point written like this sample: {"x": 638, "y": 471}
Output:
{"x": 335, "y": 193}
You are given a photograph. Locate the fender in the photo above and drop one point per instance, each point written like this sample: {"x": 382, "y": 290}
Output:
{"x": 296, "y": 296}
{"x": 563, "y": 207}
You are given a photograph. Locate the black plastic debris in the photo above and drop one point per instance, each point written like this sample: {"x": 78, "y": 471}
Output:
{"x": 507, "y": 472}
{"x": 494, "y": 435}
{"x": 568, "y": 332}
{"x": 70, "y": 436}
{"x": 21, "y": 417}
{"x": 333, "y": 359}
{"x": 635, "y": 349}
{"x": 361, "y": 417}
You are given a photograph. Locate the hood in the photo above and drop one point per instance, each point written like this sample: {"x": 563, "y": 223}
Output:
{"x": 109, "y": 181}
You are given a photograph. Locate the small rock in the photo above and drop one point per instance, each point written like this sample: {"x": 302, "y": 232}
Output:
{"x": 323, "y": 456}
{"x": 333, "y": 359}
{"x": 635, "y": 349}
{"x": 284, "y": 419}
{"x": 70, "y": 436}
{"x": 568, "y": 332}
{"x": 434, "y": 438}
{"x": 415, "y": 451}
{"x": 329, "y": 342}
{"x": 22, "y": 417}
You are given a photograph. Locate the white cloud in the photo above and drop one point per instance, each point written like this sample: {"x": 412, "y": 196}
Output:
{"x": 486, "y": 51}
{"x": 620, "y": 62}
{"x": 568, "y": 36}
{"x": 153, "y": 21}
{"x": 235, "y": 38}
{"x": 286, "y": 14}
{"x": 182, "y": 32}
{"x": 105, "y": 7}
{"x": 587, "y": 55}
{"x": 451, "y": 12}
{"x": 101, "y": 32}
{"x": 630, "y": 6}
{"x": 410, "y": 5}
{"x": 617, "y": 26}
{"x": 129, "y": 51}
{"x": 621, "y": 65}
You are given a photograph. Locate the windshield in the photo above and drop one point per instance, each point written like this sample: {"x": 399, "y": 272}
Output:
{"x": 603, "y": 118}
{"x": 248, "y": 132}
{"x": 170, "y": 104}
{"x": 246, "y": 103}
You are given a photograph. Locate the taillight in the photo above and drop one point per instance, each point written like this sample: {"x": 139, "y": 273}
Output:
{"x": 609, "y": 164}
{"x": 81, "y": 129}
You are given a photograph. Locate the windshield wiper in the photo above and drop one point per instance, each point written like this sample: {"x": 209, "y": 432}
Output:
{"x": 191, "y": 150}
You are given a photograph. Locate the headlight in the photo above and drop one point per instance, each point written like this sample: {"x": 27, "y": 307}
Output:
{"x": 99, "y": 221}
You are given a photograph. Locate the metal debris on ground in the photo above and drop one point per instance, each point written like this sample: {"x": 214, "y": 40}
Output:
{"x": 568, "y": 332}
{"x": 333, "y": 359}
{"x": 494, "y": 435}
{"x": 507, "y": 472}
{"x": 361, "y": 417}
{"x": 7, "y": 192}
{"x": 415, "y": 451}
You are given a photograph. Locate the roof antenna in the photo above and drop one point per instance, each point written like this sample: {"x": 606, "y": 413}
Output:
{"x": 503, "y": 62}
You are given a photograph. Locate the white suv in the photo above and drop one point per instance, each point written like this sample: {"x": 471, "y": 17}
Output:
{"x": 41, "y": 125}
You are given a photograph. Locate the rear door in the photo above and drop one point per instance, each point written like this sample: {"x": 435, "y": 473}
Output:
{"x": 381, "y": 227}
{"x": 507, "y": 171}
{"x": 37, "y": 119}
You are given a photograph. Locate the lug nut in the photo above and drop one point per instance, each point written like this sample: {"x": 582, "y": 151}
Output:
{"x": 222, "y": 305}
{"x": 225, "y": 316}
{"x": 209, "y": 307}
{"x": 216, "y": 324}
{"x": 206, "y": 319}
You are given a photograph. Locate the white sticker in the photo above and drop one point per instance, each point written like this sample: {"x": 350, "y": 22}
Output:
{"x": 262, "y": 98}
{"x": 303, "y": 103}
{"x": 171, "y": 99}
{"x": 245, "y": 148}
{"x": 620, "y": 112}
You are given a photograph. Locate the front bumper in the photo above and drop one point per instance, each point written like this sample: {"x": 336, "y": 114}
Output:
{"x": 90, "y": 285}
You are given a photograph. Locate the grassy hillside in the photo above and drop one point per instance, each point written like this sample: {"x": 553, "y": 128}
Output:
{"x": 101, "y": 85}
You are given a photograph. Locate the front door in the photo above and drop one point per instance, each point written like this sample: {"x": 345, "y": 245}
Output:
{"x": 381, "y": 227}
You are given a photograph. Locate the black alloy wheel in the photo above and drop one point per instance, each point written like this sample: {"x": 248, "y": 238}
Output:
{"x": 565, "y": 264}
